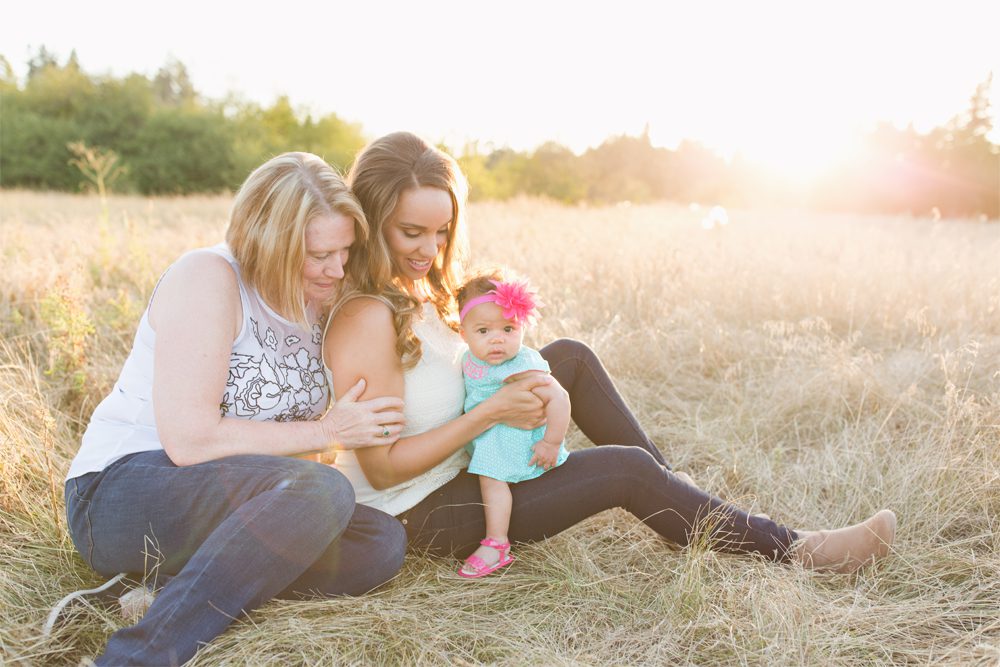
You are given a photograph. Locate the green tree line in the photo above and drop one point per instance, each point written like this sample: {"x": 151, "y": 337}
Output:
{"x": 170, "y": 139}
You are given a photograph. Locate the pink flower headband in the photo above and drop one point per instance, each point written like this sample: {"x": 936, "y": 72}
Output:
{"x": 517, "y": 300}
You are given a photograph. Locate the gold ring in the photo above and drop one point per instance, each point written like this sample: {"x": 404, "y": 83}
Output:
{"x": 385, "y": 431}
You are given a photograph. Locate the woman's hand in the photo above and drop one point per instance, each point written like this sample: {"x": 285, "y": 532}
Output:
{"x": 350, "y": 423}
{"x": 516, "y": 404}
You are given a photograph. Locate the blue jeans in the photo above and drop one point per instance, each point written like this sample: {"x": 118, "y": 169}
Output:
{"x": 234, "y": 532}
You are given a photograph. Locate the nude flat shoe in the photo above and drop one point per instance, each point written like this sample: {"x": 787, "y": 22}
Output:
{"x": 845, "y": 550}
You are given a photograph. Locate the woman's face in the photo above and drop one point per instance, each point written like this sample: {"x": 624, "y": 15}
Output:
{"x": 328, "y": 240}
{"x": 417, "y": 231}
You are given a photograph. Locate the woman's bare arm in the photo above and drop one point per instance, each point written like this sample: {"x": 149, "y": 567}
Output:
{"x": 191, "y": 368}
{"x": 361, "y": 342}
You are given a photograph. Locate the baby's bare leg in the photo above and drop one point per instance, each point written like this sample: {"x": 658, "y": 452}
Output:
{"x": 497, "y": 504}
{"x": 497, "y": 501}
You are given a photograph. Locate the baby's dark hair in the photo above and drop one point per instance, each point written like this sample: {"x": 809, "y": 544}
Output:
{"x": 478, "y": 283}
{"x": 515, "y": 295}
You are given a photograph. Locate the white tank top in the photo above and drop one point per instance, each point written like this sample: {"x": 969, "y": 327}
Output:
{"x": 434, "y": 394}
{"x": 275, "y": 373}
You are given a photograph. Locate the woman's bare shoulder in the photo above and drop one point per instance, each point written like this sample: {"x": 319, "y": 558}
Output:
{"x": 196, "y": 277}
{"x": 361, "y": 321}
{"x": 362, "y": 310}
{"x": 361, "y": 335}
{"x": 201, "y": 268}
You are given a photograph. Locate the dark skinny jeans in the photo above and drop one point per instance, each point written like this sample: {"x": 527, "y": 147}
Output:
{"x": 627, "y": 470}
{"x": 235, "y": 532}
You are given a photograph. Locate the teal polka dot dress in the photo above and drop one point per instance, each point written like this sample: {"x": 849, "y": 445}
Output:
{"x": 503, "y": 451}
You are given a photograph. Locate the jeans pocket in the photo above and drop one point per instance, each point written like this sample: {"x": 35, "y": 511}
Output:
{"x": 78, "y": 518}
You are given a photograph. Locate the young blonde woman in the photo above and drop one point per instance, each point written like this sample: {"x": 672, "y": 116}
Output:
{"x": 186, "y": 467}
{"x": 397, "y": 330}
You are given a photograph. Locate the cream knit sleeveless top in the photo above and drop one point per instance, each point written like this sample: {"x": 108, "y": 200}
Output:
{"x": 434, "y": 394}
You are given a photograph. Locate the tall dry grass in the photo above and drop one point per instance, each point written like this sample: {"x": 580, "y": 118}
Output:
{"x": 815, "y": 367}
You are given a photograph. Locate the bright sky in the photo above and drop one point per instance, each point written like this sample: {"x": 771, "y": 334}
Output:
{"x": 733, "y": 75}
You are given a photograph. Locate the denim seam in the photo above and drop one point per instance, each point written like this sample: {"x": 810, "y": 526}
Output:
{"x": 90, "y": 536}
{"x": 87, "y": 521}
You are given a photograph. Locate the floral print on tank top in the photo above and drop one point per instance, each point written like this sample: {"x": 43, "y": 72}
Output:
{"x": 289, "y": 383}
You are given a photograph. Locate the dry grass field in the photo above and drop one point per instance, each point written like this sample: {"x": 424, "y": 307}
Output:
{"x": 815, "y": 367}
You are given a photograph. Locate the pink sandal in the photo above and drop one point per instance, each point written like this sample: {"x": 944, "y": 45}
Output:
{"x": 482, "y": 569}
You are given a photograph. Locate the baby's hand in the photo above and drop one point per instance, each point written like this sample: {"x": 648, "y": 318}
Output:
{"x": 546, "y": 454}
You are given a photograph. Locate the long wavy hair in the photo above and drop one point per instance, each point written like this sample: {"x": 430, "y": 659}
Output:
{"x": 382, "y": 172}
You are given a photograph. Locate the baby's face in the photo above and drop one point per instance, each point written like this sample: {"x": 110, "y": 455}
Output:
{"x": 491, "y": 337}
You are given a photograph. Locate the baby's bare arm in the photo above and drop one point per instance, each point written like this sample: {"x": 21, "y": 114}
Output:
{"x": 557, "y": 411}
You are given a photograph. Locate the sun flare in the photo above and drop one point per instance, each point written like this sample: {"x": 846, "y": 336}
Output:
{"x": 799, "y": 160}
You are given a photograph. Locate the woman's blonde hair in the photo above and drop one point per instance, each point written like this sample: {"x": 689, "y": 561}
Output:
{"x": 267, "y": 226}
{"x": 382, "y": 172}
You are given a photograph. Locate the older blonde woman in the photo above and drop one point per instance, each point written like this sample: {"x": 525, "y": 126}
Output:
{"x": 186, "y": 467}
